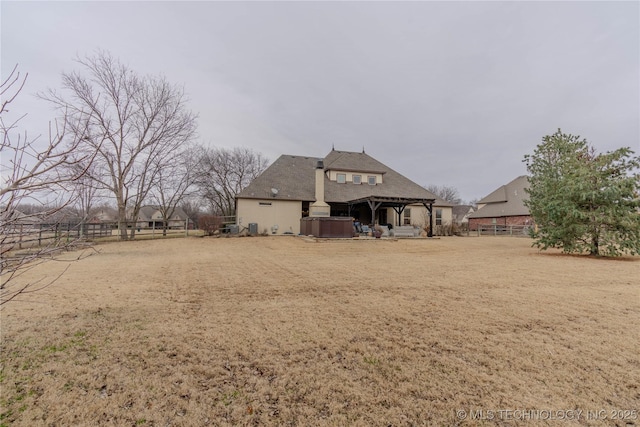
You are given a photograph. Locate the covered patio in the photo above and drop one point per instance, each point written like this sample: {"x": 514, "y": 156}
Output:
{"x": 397, "y": 203}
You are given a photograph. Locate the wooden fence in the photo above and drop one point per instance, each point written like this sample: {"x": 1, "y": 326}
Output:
{"x": 503, "y": 230}
{"x": 23, "y": 235}
{"x": 26, "y": 235}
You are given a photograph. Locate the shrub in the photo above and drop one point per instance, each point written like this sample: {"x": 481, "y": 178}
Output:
{"x": 210, "y": 224}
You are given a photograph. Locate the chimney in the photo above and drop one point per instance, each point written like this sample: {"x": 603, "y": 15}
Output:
{"x": 319, "y": 207}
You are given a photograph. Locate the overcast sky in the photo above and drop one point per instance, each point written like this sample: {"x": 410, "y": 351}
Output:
{"x": 446, "y": 93}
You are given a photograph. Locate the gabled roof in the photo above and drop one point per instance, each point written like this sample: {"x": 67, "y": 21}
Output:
{"x": 353, "y": 162}
{"x": 498, "y": 195}
{"x": 393, "y": 183}
{"x": 460, "y": 211}
{"x": 294, "y": 178}
{"x": 147, "y": 212}
{"x": 507, "y": 200}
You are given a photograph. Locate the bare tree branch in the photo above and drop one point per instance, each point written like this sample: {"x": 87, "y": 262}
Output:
{"x": 32, "y": 172}
{"x": 223, "y": 173}
{"x": 446, "y": 193}
{"x": 133, "y": 123}
{"x": 175, "y": 181}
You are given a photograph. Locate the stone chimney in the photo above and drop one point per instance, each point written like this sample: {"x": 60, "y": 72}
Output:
{"x": 319, "y": 207}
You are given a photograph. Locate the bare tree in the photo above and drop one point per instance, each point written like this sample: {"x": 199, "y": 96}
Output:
{"x": 446, "y": 193}
{"x": 175, "y": 181}
{"x": 192, "y": 206}
{"x": 223, "y": 173}
{"x": 134, "y": 123}
{"x": 35, "y": 175}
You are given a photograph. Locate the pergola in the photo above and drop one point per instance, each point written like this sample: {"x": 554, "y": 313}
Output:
{"x": 397, "y": 203}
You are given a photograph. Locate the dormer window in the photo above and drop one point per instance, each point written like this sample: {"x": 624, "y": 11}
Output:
{"x": 357, "y": 179}
{"x": 341, "y": 178}
{"x": 371, "y": 179}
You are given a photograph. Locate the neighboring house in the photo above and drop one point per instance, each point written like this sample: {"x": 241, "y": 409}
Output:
{"x": 15, "y": 221}
{"x": 58, "y": 216}
{"x": 17, "y": 217}
{"x": 347, "y": 184}
{"x": 151, "y": 217}
{"x": 103, "y": 214}
{"x": 461, "y": 214}
{"x": 504, "y": 206}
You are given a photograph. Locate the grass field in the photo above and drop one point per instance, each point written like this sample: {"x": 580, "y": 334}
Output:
{"x": 282, "y": 331}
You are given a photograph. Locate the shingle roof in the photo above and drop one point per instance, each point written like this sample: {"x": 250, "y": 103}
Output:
{"x": 393, "y": 183}
{"x": 459, "y": 211}
{"x": 146, "y": 212}
{"x": 507, "y": 200}
{"x": 353, "y": 162}
{"x": 294, "y": 177}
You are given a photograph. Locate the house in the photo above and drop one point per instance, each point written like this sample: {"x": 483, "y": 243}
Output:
{"x": 103, "y": 214}
{"x": 15, "y": 221}
{"x": 14, "y": 216}
{"x": 461, "y": 215}
{"x": 505, "y": 206}
{"x": 342, "y": 184}
{"x": 151, "y": 217}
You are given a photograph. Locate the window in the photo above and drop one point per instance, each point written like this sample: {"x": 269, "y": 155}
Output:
{"x": 371, "y": 180}
{"x": 341, "y": 178}
{"x": 264, "y": 203}
{"x": 407, "y": 216}
{"x": 438, "y": 216}
{"x": 357, "y": 179}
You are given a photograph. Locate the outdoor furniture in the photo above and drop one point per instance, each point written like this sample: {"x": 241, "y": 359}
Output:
{"x": 406, "y": 231}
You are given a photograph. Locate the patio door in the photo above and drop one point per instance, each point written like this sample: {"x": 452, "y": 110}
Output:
{"x": 382, "y": 216}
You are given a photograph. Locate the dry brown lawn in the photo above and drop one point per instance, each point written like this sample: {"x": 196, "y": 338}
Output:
{"x": 282, "y": 331}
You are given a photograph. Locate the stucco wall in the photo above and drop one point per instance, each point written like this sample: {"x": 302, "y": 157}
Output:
{"x": 269, "y": 212}
{"x": 420, "y": 217}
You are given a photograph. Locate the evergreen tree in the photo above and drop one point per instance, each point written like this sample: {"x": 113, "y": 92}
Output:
{"x": 582, "y": 201}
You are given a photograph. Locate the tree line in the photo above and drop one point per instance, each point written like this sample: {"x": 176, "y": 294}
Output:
{"x": 123, "y": 137}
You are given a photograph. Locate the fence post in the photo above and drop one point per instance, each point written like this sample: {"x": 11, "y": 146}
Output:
{"x": 186, "y": 227}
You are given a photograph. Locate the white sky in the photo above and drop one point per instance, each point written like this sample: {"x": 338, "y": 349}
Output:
{"x": 446, "y": 93}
